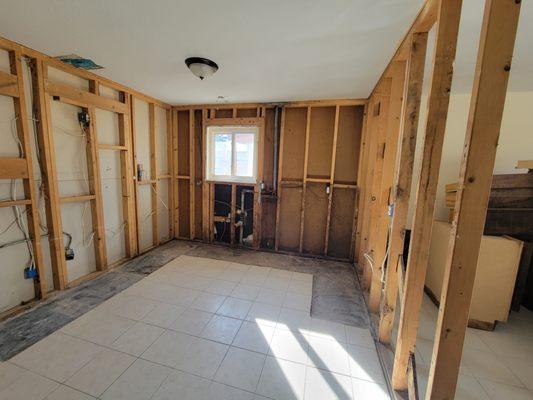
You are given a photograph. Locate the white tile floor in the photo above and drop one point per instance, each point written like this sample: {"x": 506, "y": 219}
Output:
{"x": 201, "y": 329}
{"x": 496, "y": 365}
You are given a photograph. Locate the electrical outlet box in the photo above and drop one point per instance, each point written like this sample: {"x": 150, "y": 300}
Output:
{"x": 30, "y": 273}
{"x": 83, "y": 118}
{"x": 69, "y": 254}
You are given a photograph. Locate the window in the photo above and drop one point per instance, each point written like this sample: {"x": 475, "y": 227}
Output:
{"x": 232, "y": 153}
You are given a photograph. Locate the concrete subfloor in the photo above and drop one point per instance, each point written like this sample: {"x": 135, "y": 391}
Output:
{"x": 337, "y": 295}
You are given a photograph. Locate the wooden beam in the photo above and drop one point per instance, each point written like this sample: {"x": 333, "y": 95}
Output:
{"x": 105, "y": 146}
{"x": 258, "y": 203}
{"x": 95, "y": 188}
{"x": 11, "y": 203}
{"x": 233, "y": 121}
{"x": 331, "y": 178}
{"x": 402, "y": 181}
{"x": 498, "y": 34}
{"x": 379, "y": 244}
{"x": 13, "y": 168}
{"x": 153, "y": 174}
{"x": 192, "y": 174}
{"x": 46, "y": 148}
{"x": 32, "y": 214}
{"x": 377, "y": 157}
{"x": 83, "y": 97}
{"x": 171, "y": 172}
{"x": 127, "y": 178}
{"x": 304, "y": 189}
{"x": 280, "y": 179}
{"x": 8, "y": 85}
{"x": 439, "y": 95}
{"x": 76, "y": 199}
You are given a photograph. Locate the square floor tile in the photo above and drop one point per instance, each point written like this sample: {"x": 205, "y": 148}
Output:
{"x": 273, "y": 282}
{"x": 139, "y": 382}
{"x": 327, "y": 330}
{"x": 67, "y": 393}
{"x": 99, "y": 327}
{"x": 364, "y": 364}
{"x": 221, "y": 329}
{"x": 328, "y": 354}
{"x": 29, "y": 387}
{"x": 245, "y": 292}
{"x": 369, "y": 390}
{"x": 282, "y": 379}
{"x": 296, "y": 320}
{"x": 235, "y": 308}
{"x": 488, "y": 366}
{"x": 324, "y": 385}
{"x": 163, "y": 315}
{"x": 169, "y": 348}
{"x": 132, "y": 307}
{"x": 57, "y": 356}
{"x": 300, "y": 287}
{"x": 241, "y": 369}
{"x": 203, "y": 357}
{"x": 264, "y": 314}
{"x": 9, "y": 373}
{"x": 288, "y": 345}
{"x": 137, "y": 339}
{"x": 218, "y": 391}
{"x": 254, "y": 337}
{"x": 221, "y": 287}
{"x": 97, "y": 375}
{"x": 234, "y": 272}
{"x": 255, "y": 277}
{"x": 208, "y": 302}
{"x": 274, "y": 297}
{"x": 360, "y": 337}
{"x": 182, "y": 386}
{"x": 500, "y": 391}
{"x": 191, "y": 321}
{"x": 297, "y": 301}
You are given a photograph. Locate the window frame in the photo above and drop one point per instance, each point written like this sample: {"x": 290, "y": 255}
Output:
{"x": 211, "y": 131}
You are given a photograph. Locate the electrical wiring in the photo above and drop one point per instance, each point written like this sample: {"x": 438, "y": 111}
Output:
{"x": 159, "y": 198}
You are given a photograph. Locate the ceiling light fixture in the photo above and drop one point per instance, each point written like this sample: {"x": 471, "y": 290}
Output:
{"x": 201, "y": 67}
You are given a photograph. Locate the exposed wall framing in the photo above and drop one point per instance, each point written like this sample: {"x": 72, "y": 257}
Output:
{"x": 386, "y": 175}
{"x": 44, "y": 91}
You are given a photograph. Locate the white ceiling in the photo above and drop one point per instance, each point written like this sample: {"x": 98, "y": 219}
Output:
{"x": 267, "y": 50}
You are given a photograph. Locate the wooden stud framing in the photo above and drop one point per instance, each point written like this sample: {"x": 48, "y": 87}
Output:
{"x": 496, "y": 46}
{"x": 13, "y": 168}
{"x": 192, "y": 176}
{"x": 377, "y": 156}
{"x": 127, "y": 178}
{"x": 402, "y": 182}
{"x": 23, "y": 133}
{"x": 445, "y": 46}
{"x": 171, "y": 172}
{"x": 95, "y": 188}
{"x": 9, "y": 85}
{"x": 45, "y": 144}
{"x": 304, "y": 189}
{"x": 379, "y": 243}
{"x": 331, "y": 178}
{"x": 153, "y": 174}
{"x": 280, "y": 179}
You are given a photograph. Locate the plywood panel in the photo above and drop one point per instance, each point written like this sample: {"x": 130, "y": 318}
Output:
{"x": 290, "y": 219}
{"x": 246, "y": 112}
{"x": 316, "y": 212}
{"x": 184, "y": 217}
{"x": 183, "y": 143}
{"x": 342, "y": 216}
{"x": 348, "y": 143}
{"x": 321, "y": 142}
{"x": 294, "y": 143}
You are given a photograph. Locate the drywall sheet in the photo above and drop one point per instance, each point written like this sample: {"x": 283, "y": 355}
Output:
{"x": 144, "y": 215}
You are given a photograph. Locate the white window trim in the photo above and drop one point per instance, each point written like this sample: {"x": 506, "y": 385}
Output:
{"x": 230, "y": 129}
